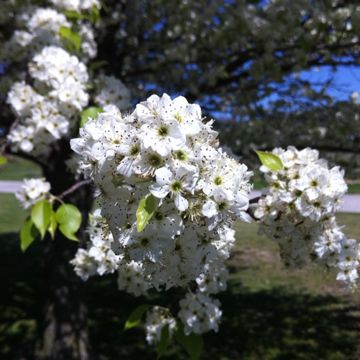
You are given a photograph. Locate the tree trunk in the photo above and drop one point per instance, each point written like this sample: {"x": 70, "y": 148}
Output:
{"x": 62, "y": 328}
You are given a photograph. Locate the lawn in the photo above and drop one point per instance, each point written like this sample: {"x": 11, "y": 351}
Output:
{"x": 11, "y": 214}
{"x": 269, "y": 312}
{"x": 354, "y": 188}
{"x": 18, "y": 169}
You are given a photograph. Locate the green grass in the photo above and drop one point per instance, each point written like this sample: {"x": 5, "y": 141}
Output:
{"x": 258, "y": 254}
{"x": 12, "y": 216}
{"x": 259, "y": 182}
{"x": 269, "y": 312}
{"x": 18, "y": 169}
{"x": 353, "y": 188}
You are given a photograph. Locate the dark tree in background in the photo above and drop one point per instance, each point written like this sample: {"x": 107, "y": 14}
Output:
{"x": 241, "y": 60}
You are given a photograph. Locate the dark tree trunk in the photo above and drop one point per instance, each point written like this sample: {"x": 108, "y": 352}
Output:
{"x": 62, "y": 327}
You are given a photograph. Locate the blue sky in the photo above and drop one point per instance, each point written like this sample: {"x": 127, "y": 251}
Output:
{"x": 346, "y": 80}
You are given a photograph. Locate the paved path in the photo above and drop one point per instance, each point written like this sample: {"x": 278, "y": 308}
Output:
{"x": 351, "y": 202}
{"x": 9, "y": 186}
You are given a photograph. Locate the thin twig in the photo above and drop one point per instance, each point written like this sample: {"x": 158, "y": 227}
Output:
{"x": 25, "y": 156}
{"x": 73, "y": 188}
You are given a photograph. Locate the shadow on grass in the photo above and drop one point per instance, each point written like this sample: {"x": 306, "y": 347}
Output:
{"x": 280, "y": 323}
{"x": 19, "y": 298}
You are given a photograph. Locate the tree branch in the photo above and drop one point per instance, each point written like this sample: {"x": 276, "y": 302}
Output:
{"x": 26, "y": 157}
{"x": 74, "y": 188}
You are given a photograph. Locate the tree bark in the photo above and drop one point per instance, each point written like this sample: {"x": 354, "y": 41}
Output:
{"x": 62, "y": 326}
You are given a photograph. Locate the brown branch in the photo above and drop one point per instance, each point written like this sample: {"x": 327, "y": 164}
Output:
{"x": 73, "y": 188}
{"x": 25, "y": 156}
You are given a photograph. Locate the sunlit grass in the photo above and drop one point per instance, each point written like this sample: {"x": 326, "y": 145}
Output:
{"x": 12, "y": 215}
{"x": 18, "y": 169}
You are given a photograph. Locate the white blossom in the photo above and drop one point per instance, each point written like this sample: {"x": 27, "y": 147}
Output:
{"x": 164, "y": 149}
{"x": 298, "y": 212}
{"x": 199, "y": 313}
{"x": 156, "y": 319}
{"x": 31, "y": 191}
{"x": 111, "y": 90}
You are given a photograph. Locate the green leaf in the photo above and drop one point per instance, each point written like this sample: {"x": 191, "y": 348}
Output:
{"x": 68, "y": 234}
{"x": 94, "y": 65}
{"x": 94, "y": 14}
{"x": 3, "y": 160}
{"x": 145, "y": 211}
{"x": 72, "y": 38}
{"x": 164, "y": 341}
{"x": 69, "y": 218}
{"x": 192, "y": 343}
{"x": 73, "y": 15}
{"x": 135, "y": 317}
{"x": 40, "y": 215}
{"x": 89, "y": 113}
{"x": 28, "y": 234}
{"x": 53, "y": 225}
{"x": 270, "y": 160}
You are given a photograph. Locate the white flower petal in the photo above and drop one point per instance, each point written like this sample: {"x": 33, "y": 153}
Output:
{"x": 180, "y": 202}
{"x": 163, "y": 176}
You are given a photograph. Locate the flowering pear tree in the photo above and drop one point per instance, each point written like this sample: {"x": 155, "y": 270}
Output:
{"x": 162, "y": 194}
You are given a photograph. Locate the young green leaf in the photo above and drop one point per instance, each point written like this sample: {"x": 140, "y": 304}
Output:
{"x": 72, "y": 38}
{"x": 69, "y": 219}
{"x": 28, "y": 234}
{"x": 40, "y": 216}
{"x": 192, "y": 343}
{"x": 94, "y": 65}
{"x": 164, "y": 341}
{"x": 69, "y": 235}
{"x": 94, "y": 14}
{"x": 135, "y": 317}
{"x": 53, "y": 225}
{"x": 89, "y": 113}
{"x": 270, "y": 160}
{"x": 145, "y": 211}
{"x": 73, "y": 15}
{"x": 3, "y": 160}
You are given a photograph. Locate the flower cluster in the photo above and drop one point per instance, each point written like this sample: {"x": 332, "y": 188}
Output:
{"x": 31, "y": 191}
{"x": 76, "y": 5}
{"x": 40, "y": 27}
{"x": 98, "y": 258}
{"x": 165, "y": 153}
{"x": 199, "y": 313}
{"x": 156, "y": 319}
{"x": 298, "y": 212}
{"x": 111, "y": 90}
{"x": 46, "y": 110}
